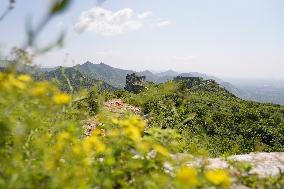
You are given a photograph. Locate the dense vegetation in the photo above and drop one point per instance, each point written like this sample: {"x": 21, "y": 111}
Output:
{"x": 211, "y": 118}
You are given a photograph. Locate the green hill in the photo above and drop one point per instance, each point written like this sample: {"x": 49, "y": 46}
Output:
{"x": 211, "y": 118}
{"x": 116, "y": 76}
{"x": 71, "y": 79}
{"x": 112, "y": 76}
{"x": 66, "y": 78}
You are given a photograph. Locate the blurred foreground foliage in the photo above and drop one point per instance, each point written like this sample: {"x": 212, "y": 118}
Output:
{"x": 42, "y": 145}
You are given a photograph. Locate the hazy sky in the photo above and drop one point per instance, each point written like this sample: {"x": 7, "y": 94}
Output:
{"x": 224, "y": 38}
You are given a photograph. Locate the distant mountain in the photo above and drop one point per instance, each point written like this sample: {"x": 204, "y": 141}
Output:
{"x": 104, "y": 72}
{"x": 115, "y": 76}
{"x": 156, "y": 78}
{"x": 67, "y": 79}
{"x": 49, "y": 69}
{"x": 21, "y": 68}
{"x": 89, "y": 74}
{"x": 168, "y": 73}
{"x": 231, "y": 88}
{"x": 71, "y": 79}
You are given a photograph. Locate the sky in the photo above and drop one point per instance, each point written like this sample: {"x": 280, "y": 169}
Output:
{"x": 224, "y": 38}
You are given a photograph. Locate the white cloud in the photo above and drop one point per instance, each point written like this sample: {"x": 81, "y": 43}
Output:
{"x": 108, "y": 23}
{"x": 144, "y": 15}
{"x": 163, "y": 23}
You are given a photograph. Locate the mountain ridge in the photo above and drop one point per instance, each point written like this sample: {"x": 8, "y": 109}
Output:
{"x": 114, "y": 78}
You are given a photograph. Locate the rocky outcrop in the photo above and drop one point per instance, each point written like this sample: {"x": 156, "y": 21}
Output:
{"x": 263, "y": 164}
{"x": 135, "y": 83}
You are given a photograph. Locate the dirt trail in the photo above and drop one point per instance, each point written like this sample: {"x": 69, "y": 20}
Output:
{"x": 118, "y": 106}
{"x": 115, "y": 106}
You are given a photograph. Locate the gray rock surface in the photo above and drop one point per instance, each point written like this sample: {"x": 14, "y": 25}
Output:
{"x": 263, "y": 164}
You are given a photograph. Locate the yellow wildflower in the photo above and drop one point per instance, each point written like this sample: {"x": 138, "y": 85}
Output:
{"x": 87, "y": 145}
{"x": 218, "y": 177}
{"x": 114, "y": 120}
{"x": 61, "y": 99}
{"x": 132, "y": 127}
{"x": 98, "y": 132}
{"x": 100, "y": 147}
{"x": 12, "y": 83}
{"x": 61, "y": 140}
{"x": 76, "y": 150}
{"x": 24, "y": 78}
{"x": 134, "y": 121}
{"x": 63, "y": 136}
{"x": 114, "y": 133}
{"x": 188, "y": 176}
{"x": 92, "y": 143}
{"x": 38, "y": 90}
{"x": 143, "y": 146}
{"x": 133, "y": 133}
{"x": 161, "y": 150}
{"x": 137, "y": 122}
{"x": 124, "y": 123}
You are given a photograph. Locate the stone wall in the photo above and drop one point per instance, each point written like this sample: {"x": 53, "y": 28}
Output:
{"x": 135, "y": 83}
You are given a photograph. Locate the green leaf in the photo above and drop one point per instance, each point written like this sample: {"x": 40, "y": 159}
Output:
{"x": 59, "y": 6}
